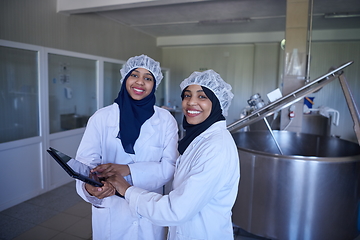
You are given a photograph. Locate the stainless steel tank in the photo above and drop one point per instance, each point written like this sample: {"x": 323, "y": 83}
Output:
{"x": 311, "y": 192}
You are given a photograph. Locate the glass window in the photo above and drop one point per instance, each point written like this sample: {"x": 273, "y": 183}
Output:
{"x": 19, "y": 94}
{"x": 112, "y": 83}
{"x": 161, "y": 91}
{"x": 72, "y": 92}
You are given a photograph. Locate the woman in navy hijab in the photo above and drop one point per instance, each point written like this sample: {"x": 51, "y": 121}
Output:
{"x": 134, "y": 139}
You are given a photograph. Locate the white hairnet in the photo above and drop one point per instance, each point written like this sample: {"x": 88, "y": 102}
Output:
{"x": 142, "y": 61}
{"x": 215, "y": 83}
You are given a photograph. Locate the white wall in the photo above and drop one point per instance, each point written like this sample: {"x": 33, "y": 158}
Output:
{"x": 325, "y": 55}
{"x": 248, "y": 68}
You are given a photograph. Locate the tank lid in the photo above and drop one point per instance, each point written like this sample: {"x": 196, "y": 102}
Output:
{"x": 289, "y": 99}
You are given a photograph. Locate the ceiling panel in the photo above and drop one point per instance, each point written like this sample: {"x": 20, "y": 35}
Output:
{"x": 171, "y": 18}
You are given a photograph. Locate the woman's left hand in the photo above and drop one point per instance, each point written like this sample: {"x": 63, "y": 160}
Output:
{"x": 110, "y": 169}
{"x": 119, "y": 183}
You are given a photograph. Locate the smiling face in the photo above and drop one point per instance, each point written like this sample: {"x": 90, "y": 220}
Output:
{"x": 196, "y": 105}
{"x": 139, "y": 83}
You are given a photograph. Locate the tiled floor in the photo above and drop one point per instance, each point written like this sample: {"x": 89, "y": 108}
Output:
{"x": 57, "y": 215}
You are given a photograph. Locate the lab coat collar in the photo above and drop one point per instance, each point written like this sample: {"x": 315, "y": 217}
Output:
{"x": 113, "y": 121}
{"x": 220, "y": 125}
{"x": 208, "y": 132}
{"x": 148, "y": 133}
{"x": 215, "y": 127}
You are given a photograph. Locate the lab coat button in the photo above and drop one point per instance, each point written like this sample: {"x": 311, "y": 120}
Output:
{"x": 135, "y": 223}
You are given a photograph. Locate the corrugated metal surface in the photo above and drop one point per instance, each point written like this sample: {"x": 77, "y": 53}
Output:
{"x": 327, "y": 54}
{"x": 258, "y": 68}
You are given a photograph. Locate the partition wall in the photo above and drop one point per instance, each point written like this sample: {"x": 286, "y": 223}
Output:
{"x": 46, "y": 97}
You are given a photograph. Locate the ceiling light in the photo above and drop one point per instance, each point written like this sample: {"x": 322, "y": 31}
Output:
{"x": 224, "y": 21}
{"x": 341, "y": 15}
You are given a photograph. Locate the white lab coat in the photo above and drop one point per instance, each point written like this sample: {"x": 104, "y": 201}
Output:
{"x": 205, "y": 187}
{"x": 151, "y": 167}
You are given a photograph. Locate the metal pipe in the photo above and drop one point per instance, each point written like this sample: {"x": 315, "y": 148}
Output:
{"x": 273, "y": 136}
{"x": 307, "y": 77}
{"x": 354, "y": 112}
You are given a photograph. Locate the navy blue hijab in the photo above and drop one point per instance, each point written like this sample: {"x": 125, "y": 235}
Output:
{"x": 133, "y": 114}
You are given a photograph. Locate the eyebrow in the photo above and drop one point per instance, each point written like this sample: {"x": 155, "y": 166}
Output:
{"x": 135, "y": 70}
{"x": 196, "y": 91}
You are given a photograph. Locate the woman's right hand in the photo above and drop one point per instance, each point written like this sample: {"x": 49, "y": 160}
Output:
{"x": 109, "y": 169}
{"x": 101, "y": 192}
